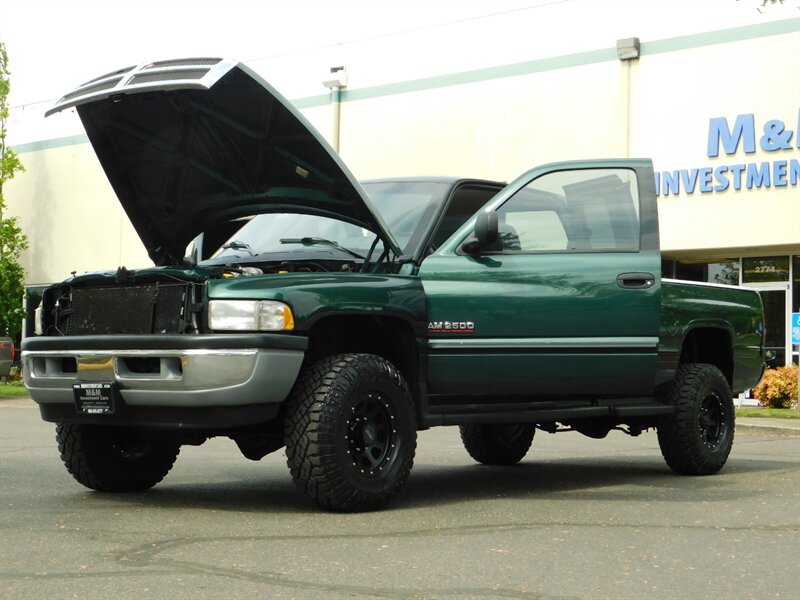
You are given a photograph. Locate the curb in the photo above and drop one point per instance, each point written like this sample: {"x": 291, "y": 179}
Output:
{"x": 768, "y": 429}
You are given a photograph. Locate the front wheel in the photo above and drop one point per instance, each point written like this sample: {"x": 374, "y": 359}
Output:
{"x": 698, "y": 437}
{"x": 351, "y": 432}
{"x": 115, "y": 459}
{"x": 497, "y": 444}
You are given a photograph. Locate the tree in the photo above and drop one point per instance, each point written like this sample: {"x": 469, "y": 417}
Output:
{"x": 12, "y": 241}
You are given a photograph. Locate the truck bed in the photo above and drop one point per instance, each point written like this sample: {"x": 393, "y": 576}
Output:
{"x": 732, "y": 315}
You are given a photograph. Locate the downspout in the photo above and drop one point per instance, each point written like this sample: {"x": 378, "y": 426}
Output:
{"x": 335, "y": 83}
{"x": 336, "y": 100}
{"x": 628, "y": 51}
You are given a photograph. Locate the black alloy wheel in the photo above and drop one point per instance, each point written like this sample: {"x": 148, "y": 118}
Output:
{"x": 712, "y": 420}
{"x": 350, "y": 432}
{"x": 698, "y": 437}
{"x": 371, "y": 436}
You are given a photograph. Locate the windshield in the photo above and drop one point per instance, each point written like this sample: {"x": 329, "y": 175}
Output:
{"x": 406, "y": 207}
{"x": 278, "y": 232}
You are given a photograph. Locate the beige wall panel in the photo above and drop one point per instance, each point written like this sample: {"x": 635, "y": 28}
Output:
{"x": 673, "y": 97}
{"x": 739, "y": 220}
{"x": 71, "y": 216}
{"x": 493, "y": 129}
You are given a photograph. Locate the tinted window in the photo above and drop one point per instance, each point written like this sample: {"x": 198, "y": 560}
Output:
{"x": 466, "y": 201}
{"x": 573, "y": 211}
{"x": 406, "y": 206}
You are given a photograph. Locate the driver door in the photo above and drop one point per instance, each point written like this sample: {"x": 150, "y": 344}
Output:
{"x": 565, "y": 304}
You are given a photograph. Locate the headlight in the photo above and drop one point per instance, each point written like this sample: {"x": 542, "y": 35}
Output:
{"x": 249, "y": 315}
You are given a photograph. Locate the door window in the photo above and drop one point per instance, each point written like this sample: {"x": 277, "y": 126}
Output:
{"x": 588, "y": 210}
{"x": 466, "y": 201}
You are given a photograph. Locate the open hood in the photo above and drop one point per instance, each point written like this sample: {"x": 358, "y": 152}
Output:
{"x": 190, "y": 143}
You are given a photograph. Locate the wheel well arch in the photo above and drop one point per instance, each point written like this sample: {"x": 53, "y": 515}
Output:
{"x": 389, "y": 337}
{"x": 711, "y": 345}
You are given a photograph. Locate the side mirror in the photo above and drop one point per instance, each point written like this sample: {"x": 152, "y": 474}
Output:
{"x": 486, "y": 229}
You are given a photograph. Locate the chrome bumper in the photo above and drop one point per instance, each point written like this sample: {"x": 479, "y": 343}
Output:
{"x": 186, "y": 377}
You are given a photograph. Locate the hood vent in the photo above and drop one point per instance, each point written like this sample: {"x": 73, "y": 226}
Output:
{"x": 168, "y": 76}
{"x": 183, "y": 73}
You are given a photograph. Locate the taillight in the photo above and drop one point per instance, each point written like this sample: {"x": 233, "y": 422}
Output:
{"x": 12, "y": 352}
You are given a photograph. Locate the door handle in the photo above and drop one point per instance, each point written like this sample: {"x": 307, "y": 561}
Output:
{"x": 636, "y": 281}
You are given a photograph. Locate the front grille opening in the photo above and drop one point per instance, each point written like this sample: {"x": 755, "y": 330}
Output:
{"x": 135, "y": 310}
{"x": 163, "y": 367}
{"x": 57, "y": 366}
{"x": 149, "y": 364}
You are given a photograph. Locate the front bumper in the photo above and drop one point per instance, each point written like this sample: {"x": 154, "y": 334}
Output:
{"x": 165, "y": 371}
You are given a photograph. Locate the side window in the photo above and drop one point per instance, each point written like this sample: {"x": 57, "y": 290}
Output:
{"x": 586, "y": 210}
{"x": 466, "y": 201}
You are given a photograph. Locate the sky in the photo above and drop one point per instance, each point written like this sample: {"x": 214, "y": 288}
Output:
{"x": 54, "y": 45}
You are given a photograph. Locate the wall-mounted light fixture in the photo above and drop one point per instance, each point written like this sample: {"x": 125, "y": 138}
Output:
{"x": 628, "y": 48}
{"x": 337, "y": 78}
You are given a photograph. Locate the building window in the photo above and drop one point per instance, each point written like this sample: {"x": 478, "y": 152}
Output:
{"x": 725, "y": 271}
{"x": 765, "y": 269}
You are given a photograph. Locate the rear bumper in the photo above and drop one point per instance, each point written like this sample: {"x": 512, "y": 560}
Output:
{"x": 166, "y": 371}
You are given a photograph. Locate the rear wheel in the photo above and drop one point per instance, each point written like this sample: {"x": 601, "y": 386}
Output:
{"x": 698, "y": 437}
{"x": 351, "y": 432}
{"x": 497, "y": 444}
{"x": 115, "y": 459}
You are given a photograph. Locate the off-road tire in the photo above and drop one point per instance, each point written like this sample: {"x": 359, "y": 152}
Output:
{"x": 351, "y": 432}
{"x": 697, "y": 438}
{"x": 497, "y": 444}
{"x": 114, "y": 459}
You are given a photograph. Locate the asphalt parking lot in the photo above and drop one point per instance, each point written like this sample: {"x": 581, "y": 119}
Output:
{"x": 579, "y": 518}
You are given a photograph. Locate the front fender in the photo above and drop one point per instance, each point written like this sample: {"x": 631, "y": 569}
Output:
{"x": 313, "y": 296}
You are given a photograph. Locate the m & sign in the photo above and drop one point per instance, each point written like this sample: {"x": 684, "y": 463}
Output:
{"x": 771, "y": 136}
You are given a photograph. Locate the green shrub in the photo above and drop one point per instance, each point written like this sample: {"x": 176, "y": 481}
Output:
{"x": 778, "y": 388}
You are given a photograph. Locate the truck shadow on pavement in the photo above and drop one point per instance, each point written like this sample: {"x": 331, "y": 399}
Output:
{"x": 430, "y": 485}
{"x": 605, "y": 480}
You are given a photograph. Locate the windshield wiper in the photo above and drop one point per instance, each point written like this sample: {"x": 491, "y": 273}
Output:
{"x": 315, "y": 241}
{"x": 237, "y": 245}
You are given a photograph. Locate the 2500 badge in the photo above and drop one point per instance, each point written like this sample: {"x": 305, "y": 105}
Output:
{"x": 451, "y": 327}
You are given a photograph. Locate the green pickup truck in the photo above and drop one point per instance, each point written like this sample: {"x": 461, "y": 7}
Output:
{"x": 290, "y": 306}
